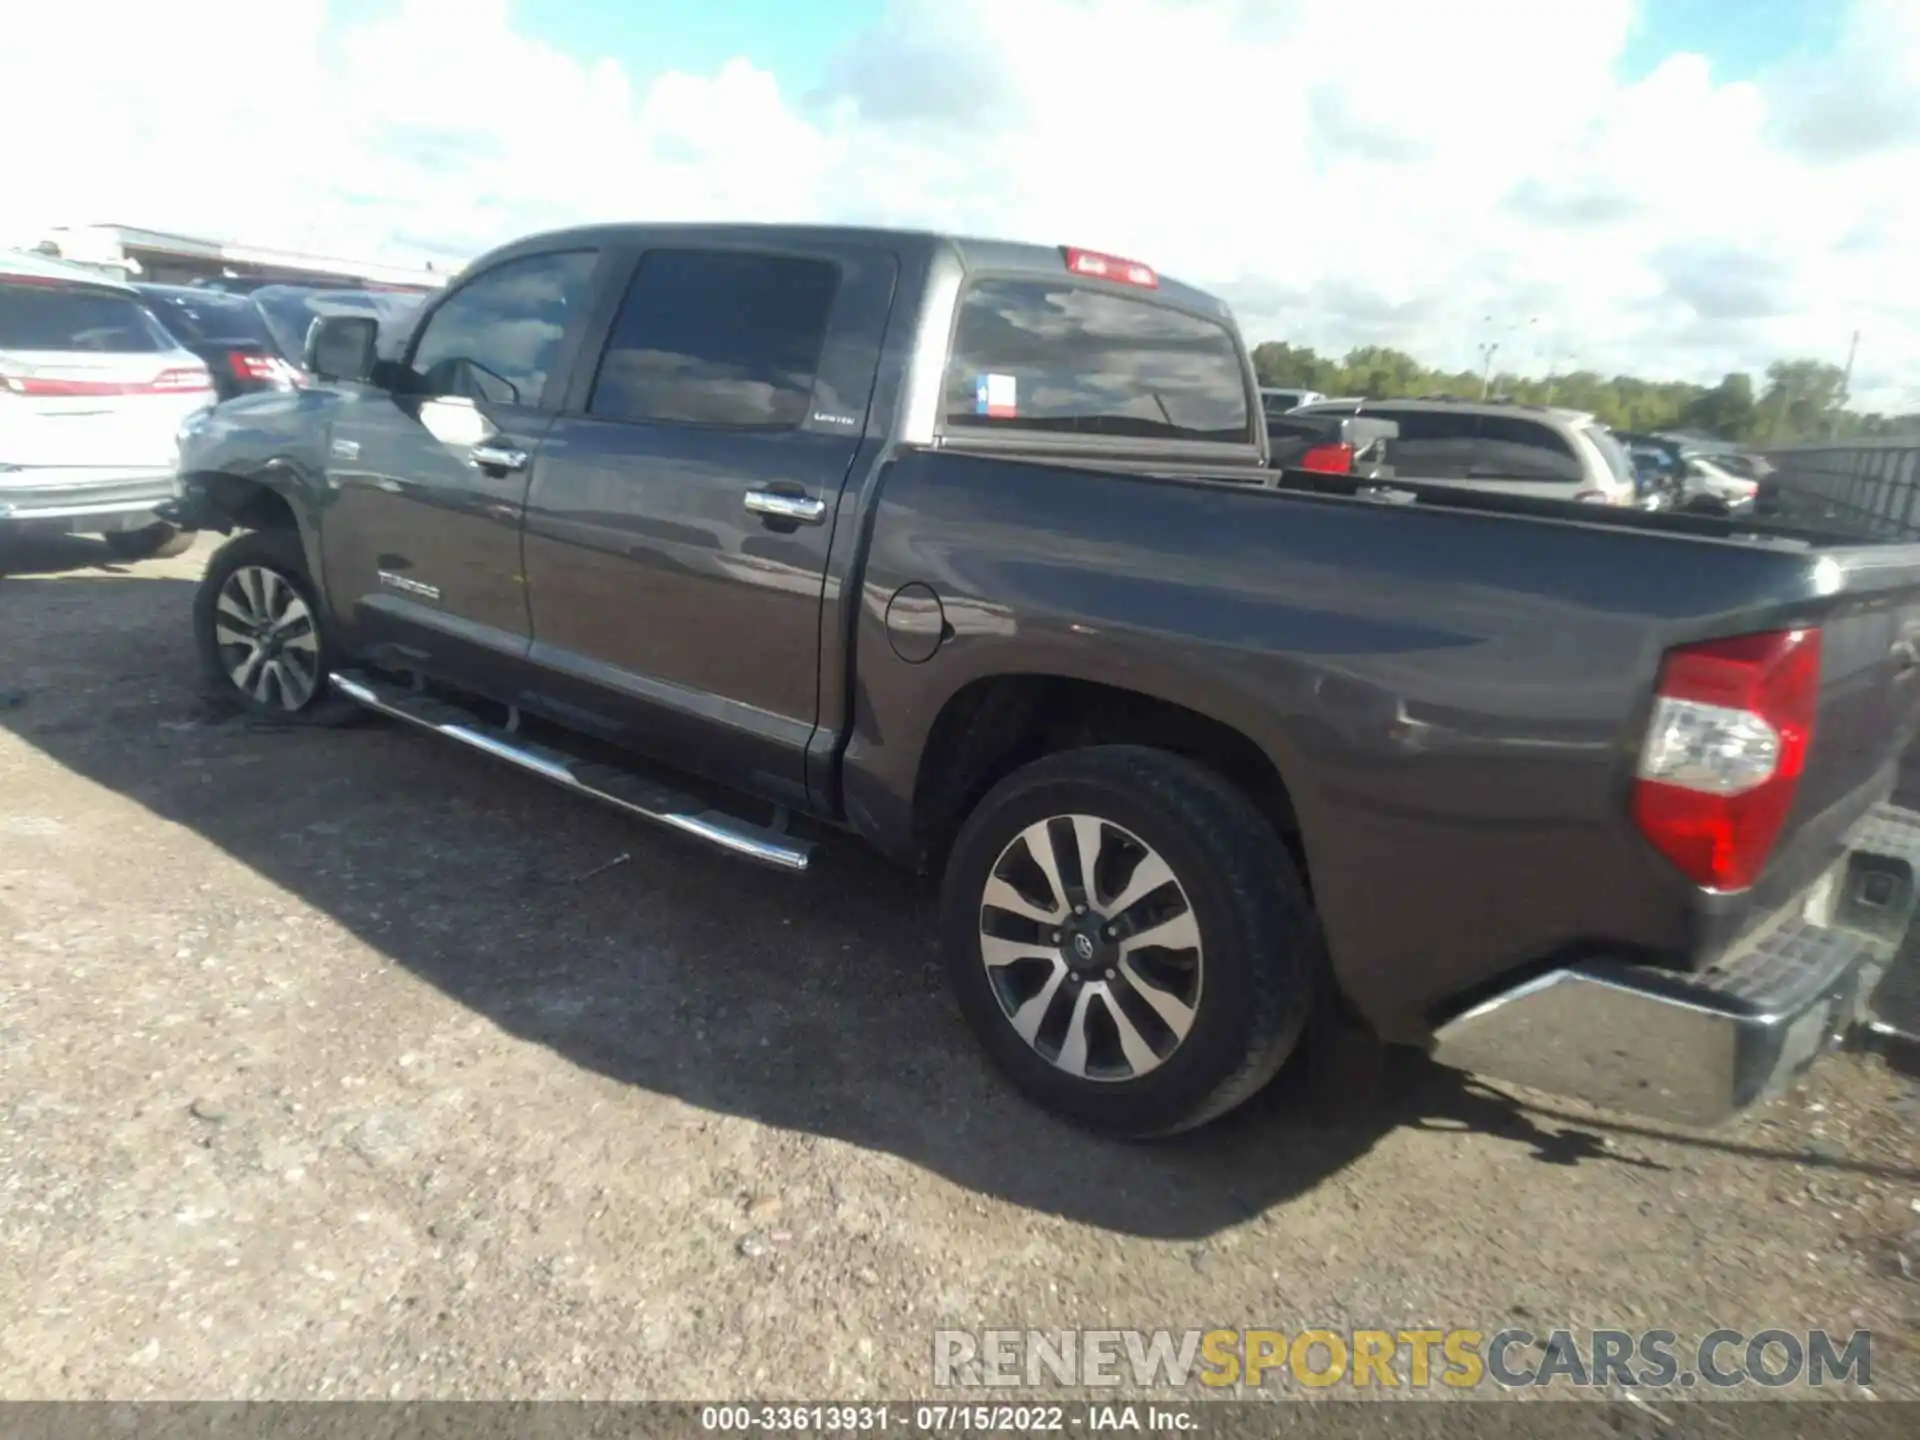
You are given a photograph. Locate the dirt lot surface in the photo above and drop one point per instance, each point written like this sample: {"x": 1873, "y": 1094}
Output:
{"x": 329, "y": 1069}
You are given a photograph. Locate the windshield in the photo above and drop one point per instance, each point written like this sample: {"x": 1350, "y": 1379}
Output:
{"x": 290, "y": 311}
{"x": 59, "y": 317}
{"x": 1613, "y": 452}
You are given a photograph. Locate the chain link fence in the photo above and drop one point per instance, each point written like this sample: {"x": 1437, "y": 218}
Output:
{"x": 1867, "y": 487}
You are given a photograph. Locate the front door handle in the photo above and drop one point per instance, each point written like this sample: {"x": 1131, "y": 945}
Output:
{"x": 497, "y": 457}
{"x": 798, "y": 509}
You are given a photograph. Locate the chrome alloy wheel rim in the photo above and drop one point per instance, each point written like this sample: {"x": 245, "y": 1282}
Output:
{"x": 264, "y": 632}
{"x": 1092, "y": 948}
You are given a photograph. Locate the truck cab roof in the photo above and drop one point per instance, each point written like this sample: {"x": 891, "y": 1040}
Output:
{"x": 975, "y": 254}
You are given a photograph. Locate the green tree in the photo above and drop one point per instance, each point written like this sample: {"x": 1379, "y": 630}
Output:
{"x": 1727, "y": 410}
{"x": 1801, "y": 397}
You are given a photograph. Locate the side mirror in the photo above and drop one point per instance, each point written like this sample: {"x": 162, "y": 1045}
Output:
{"x": 342, "y": 347}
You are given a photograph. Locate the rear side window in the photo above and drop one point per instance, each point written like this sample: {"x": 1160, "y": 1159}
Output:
{"x": 57, "y": 317}
{"x": 1433, "y": 444}
{"x": 1052, "y": 357}
{"x": 216, "y": 320}
{"x": 495, "y": 338}
{"x": 717, "y": 337}
{"x": 1516, "y": 449}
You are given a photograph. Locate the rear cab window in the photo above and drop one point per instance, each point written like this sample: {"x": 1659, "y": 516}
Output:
{"x": 1035, "y": 355}
{"x": 60, "y": 318}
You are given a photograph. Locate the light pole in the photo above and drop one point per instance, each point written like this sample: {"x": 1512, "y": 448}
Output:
{"x": 1492, "y": 347}
{"x": 1553, "y": 374}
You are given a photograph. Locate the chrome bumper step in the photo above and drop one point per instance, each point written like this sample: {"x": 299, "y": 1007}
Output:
{"x": 621, "y": 788}
{"x": 1696, "y": 1049}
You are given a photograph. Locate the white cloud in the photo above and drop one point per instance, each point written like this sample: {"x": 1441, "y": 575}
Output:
{"x": 1347, "y": 171}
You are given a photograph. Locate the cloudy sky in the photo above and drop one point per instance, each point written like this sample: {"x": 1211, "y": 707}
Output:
{"x": 1673, "y": 187}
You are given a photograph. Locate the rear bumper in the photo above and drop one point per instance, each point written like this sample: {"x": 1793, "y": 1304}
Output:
{"x": 1697, "y": 1049}
{"x": 84, "y": 501}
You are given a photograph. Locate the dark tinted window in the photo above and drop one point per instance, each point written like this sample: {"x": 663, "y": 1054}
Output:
{"x": 495, "y": 337}
{"x": 1433, "y": 444}
{"x": 52, "y": 317}
{"x": 716, "y": 337}
{"x": 1515, "y": 449}
{"x": 210, "y": 319}
{"x": 1046, "y": 355}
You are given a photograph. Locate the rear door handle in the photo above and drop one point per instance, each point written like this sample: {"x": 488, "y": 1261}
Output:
{"x": 799, "y": 509}
{"x": 497, "y": 457}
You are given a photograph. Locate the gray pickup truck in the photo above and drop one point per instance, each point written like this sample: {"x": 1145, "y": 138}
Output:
{"x": 974, "y": 550}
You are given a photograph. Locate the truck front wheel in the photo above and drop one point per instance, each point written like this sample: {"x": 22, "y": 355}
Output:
{"x": 260, "y": 632}
{"x": 1128, "y": 938}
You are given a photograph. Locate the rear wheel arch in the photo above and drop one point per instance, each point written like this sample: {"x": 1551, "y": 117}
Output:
{"x": 995, "y": 724}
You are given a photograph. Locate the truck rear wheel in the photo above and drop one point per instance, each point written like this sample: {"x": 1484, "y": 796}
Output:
{"x": 1129, "y": 939}
{"x": 261, "y": 634}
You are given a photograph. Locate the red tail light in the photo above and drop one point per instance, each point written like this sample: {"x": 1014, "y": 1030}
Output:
{"x": 183, "y": 379}
{"x": 1732, "y": 722}
{"x": 1111, "y": 267}
{"x": 1328, "y": 459}
{"x": 167, "y": 382}
{"x": 269, "y": 368}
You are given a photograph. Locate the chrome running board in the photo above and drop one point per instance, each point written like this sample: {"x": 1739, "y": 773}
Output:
{"x": 630, "y": 792}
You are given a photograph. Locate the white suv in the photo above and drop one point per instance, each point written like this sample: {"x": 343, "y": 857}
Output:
{"x": 1499, "y": 445}
{"x": 93, "y": 391}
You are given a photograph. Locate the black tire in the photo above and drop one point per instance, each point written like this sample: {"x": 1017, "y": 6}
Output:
{"x": 276, "y": 552}
{"x": 159, "y": 541}
{"x": 1259, "y": 947}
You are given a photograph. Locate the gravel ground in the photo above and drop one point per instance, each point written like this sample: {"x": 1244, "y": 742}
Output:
{"x": 329, "y": 1069}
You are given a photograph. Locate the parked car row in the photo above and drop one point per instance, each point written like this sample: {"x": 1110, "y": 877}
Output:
{"x": 1495, "y": 445}
{"x": 254, "y": 341}
{"x": 1678, "y": 472}
{"x": 97, "y": 377}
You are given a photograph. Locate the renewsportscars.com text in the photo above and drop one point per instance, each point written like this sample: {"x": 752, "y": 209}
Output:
{"x": 1410, "y": 1358}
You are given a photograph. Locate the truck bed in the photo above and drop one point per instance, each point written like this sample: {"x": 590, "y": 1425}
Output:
{"x": 1453, "y": 690}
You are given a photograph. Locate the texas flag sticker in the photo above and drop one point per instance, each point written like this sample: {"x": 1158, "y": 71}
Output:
{"x": 996, "y": 396}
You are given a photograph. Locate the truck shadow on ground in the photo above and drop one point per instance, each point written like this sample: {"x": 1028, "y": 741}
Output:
{"x": 814, "y": 1004}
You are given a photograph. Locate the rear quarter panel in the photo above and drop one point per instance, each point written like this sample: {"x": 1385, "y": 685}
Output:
{"x": 1454, "y": 701}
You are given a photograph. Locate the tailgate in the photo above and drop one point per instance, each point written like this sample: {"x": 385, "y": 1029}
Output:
{"x": 1869, "y": 679}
